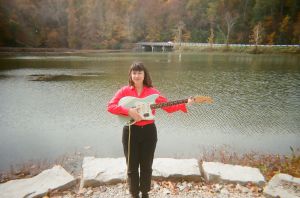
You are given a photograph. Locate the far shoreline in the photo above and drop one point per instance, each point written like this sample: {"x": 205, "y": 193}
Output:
{"x": 23, "y": 51}
{"x": 10, "y": 51}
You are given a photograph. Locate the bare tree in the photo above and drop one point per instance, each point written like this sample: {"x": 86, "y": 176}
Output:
{"x": 230, "y": 22}
{"x": 180, "y": 27}
{"x": 211, "y": 37}
{"x": 211, "y": 13}
{"x": 257, "y": 35}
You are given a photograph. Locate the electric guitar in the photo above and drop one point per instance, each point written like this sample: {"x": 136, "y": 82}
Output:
{"x": 146, "y": 105}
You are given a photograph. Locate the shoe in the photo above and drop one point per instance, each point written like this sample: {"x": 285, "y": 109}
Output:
{"x": 135, "y": 196}
{"x": 145, "y": 195}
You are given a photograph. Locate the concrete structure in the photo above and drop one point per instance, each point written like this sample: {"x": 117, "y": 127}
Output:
{"x": 283, "y": 185}
{"x": 97, "y": 171}
{"x": 55, "y": 178}
{"x": 168, "y": 168}
{"x": 223, "y": 173}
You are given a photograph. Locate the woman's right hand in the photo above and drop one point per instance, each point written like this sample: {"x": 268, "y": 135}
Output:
{"x": 133, "y": 113}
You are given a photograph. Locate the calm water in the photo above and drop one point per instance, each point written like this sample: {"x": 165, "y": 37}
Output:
{"x": 257, "y": 103}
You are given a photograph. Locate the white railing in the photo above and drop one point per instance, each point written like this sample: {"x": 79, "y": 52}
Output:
{"x": 172, "y": 44}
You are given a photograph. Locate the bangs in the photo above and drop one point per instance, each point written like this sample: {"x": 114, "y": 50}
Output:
{"x": 137, "y": 67}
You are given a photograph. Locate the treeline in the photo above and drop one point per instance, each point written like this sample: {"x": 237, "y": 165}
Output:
{"x": 114, "y": 24}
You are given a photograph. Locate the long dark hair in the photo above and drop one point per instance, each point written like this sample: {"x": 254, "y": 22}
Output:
{"x": 139, "y": 66}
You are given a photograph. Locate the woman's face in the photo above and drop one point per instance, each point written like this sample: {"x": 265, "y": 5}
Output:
{"x": 137, "y": 77}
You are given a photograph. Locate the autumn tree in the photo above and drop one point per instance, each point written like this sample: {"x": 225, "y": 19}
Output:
{"x": 296, "y": 31}
{"x": 103, "y": 24}
{"x": 284, "y": 28}
{"x": 230, "y": 22}
{"x": 179, "y": 28}
{"x": 257, "y": 35}
{"x": 73, "y": 25}
{"x": 211, "y": 14}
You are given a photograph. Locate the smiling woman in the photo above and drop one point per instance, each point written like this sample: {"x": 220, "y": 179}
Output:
{"x": 139, "y": 76}
{"x": 139, "y": 140}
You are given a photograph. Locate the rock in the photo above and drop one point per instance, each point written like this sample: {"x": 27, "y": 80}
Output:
{"x": 56, "y": 178}
{"x": 182, "y": 186}
{"x": 82, "y": 191}
{"x": 97, "y": 171}
{"x": 217, "y": 187}
{"x": 242, "y": 189}
{"x": 120, "y": 186}
{"x": 103, "y": 189}
{"x": 168, "y": 168}
{"x": 283, "y": 185}
{"x": 166, "y": 191}
{"x": 222, "y": 173}
{"x": 224, "y": 191}
{"x": 156, "y": 187}
{"x": 89, "y": 193}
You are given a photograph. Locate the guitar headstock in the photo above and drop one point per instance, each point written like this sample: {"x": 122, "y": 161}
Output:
{"x": 203, "y": 99}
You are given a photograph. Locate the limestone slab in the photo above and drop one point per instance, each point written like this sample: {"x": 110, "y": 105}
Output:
{"x": 97, "y": 171}
{"x": 169, "y": 168}
{"x": 219, "y": 172}
{"x": 55, "y": 178}
{"x": 283, "y": 185}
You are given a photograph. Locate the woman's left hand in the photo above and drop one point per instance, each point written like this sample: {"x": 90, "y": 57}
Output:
{"x": 191, "y": 100}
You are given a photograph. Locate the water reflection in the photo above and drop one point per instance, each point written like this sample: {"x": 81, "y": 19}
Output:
{"x": 66, "y": 77}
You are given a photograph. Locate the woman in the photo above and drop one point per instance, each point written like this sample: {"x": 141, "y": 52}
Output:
{"x": 139, "y": 140}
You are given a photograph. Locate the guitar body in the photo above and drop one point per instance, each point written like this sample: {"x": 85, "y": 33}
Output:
{"x": 143, "y": 105}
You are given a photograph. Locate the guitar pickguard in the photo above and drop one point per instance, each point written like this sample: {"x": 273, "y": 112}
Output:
{"x": 142, "y": 105}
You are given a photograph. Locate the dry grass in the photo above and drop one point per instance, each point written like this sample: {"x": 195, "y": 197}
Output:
{"x": 71, "y": 162}
{"x": 243, "y": 49}
{"x": 268, "y": 164}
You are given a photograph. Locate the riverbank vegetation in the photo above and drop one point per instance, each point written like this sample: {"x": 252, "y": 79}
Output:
{"x": 106, "y": 24}
{"x": 242, "y": 49}
{"x": 268, "y": 164}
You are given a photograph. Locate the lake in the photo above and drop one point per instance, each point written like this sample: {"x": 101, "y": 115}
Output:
{"x": 53, "y": 105}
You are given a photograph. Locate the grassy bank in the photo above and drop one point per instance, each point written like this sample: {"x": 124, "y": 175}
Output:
{"x": 11, "y": 51}
{"x": 268, "y": 164}
{"x": 222, "y": 49}
{"x": 242, "y": 49}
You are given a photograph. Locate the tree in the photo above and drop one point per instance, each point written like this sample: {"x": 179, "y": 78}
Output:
{"x": 113, "y": 23}
{"x": 284, "y": 28}
{"x": 196, "y": 19}
{"x": 257, "y": 35}
{"x": 296, "y": 30}
{"x": 73, "y": 25}
{"x": 264, "y": 8}
{"x": 180, "y": 26}
{"x": 230, "y": 22}
{"x": 211, "y": 13}
{"x": 211, "y": 37}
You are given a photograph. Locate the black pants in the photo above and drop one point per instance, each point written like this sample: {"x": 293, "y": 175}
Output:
{"x": 142, "y": 146}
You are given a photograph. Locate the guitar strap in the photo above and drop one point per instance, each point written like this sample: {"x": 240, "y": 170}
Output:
{"x": 129, "y": 123}
{"x": 128, "y": 147}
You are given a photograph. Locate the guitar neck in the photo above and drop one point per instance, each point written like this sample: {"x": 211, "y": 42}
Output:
{"x": 167, "y": 104}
